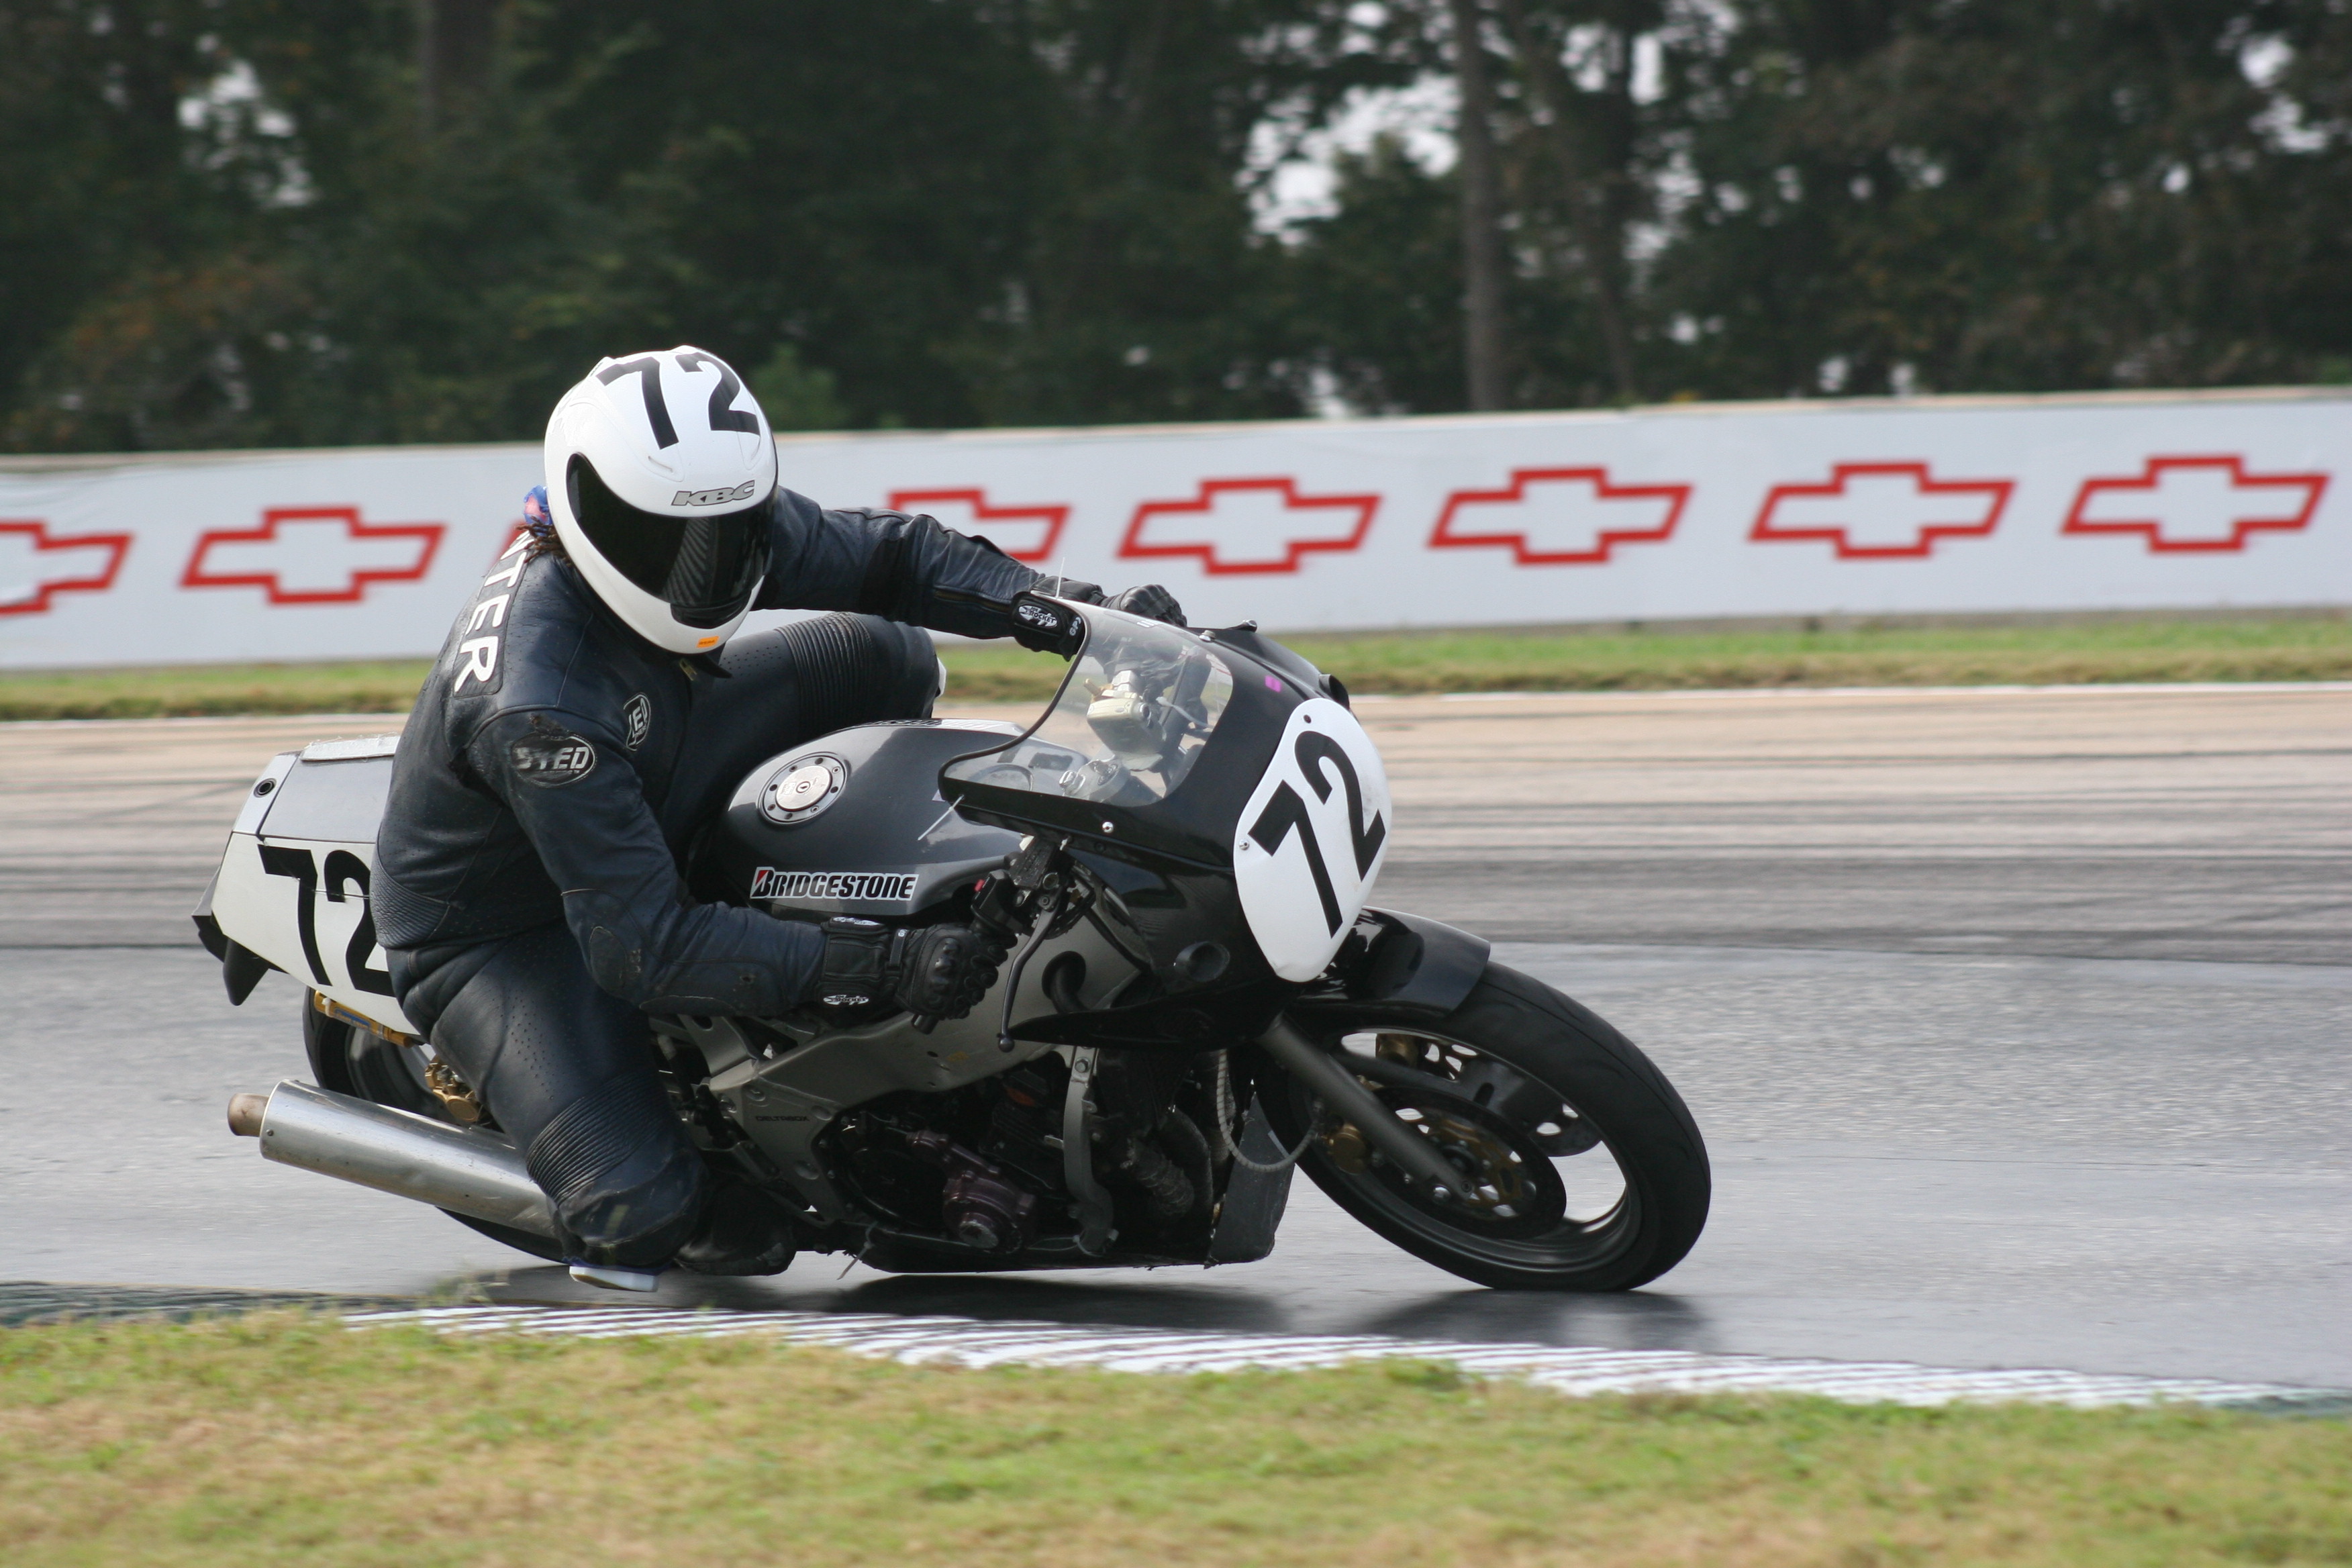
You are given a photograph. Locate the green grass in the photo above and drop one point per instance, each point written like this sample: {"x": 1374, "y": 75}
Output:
{"x": 281, "y": 1440}
{"x": 181, "y": 690}
{"x": 1404, "y": 662}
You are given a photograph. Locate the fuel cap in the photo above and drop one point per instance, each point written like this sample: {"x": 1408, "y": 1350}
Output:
{"x": 803, "y": 788}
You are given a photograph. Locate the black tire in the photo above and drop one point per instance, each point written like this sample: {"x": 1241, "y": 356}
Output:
{"x": 539, "y": 1247}
{"x": 346, "y": 1059}
{"x": 1517, "y": 1083}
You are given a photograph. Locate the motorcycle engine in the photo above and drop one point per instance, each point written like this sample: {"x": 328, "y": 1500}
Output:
{"x": 985, "y": 1168}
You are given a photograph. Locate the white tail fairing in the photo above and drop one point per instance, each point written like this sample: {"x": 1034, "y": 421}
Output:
{"x": 293, "y": 881}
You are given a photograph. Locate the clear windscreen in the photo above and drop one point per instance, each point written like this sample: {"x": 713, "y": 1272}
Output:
{"x": 1128, "y": 724}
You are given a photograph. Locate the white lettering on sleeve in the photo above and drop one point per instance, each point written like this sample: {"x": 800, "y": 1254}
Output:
{"x": 481, "y": 660}
{"x": 509, "y": 576}
{"x": 492, "y": 610}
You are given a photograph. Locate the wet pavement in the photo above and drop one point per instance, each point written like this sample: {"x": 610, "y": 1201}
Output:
{"x": 2011, "y": 1043}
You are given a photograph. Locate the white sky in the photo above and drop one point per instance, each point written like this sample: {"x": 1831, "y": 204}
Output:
{"x": 1421, "y": 115}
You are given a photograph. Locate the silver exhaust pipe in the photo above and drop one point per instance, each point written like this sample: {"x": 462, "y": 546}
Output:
{"x": 469, "y": 1170}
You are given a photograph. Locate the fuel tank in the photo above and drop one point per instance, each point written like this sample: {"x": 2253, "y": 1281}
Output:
{"x": 854, "y": 823}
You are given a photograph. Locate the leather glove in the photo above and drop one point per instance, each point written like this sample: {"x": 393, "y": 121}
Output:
{"x": 934, "y": 972}
{"x": 1152, "y": 602}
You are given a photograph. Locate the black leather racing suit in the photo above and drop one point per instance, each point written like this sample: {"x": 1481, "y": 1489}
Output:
{"x": 548, "y": 777}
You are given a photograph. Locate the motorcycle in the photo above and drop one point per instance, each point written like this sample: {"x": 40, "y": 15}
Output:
{"x": 1197, "y": 999}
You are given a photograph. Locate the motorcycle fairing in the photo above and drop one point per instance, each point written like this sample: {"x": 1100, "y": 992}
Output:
{"x": 1080, "y": 771}
{"x": 1311, "y": 840}
{"x": 292, "y": 887}
{"x": 1191, "y": 749}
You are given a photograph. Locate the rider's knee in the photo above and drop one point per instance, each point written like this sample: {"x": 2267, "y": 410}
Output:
{"x": 854, "y": 669}
{"x": 907, "y": 671}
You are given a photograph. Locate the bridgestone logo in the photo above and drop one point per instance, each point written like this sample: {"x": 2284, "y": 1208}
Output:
{"x": 884, "y": 887}
{"x": 714, "y": 498}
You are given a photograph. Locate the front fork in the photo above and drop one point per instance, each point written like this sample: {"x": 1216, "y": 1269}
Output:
{"x": 1339, "y": 1089}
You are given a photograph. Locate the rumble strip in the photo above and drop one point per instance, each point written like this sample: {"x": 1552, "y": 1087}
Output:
{"x": 966, "y": 1341}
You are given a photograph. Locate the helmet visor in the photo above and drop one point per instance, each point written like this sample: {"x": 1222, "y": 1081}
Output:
{"x": 704, "y": 568}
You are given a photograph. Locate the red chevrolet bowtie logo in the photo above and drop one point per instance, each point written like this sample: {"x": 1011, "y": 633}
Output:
{"x": 1879, "y": 512}
{"x": 1025, "y": 532}
{"x": 35, "y": 567}
{"x": 313, "y": 555}
{"x": 2195, "y": 503}
{"x": 1560, "y": 516}
{"x": 1249, "y": 525}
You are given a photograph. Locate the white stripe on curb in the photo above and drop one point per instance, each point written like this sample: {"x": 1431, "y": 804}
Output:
{"x": 967, "y": 1341}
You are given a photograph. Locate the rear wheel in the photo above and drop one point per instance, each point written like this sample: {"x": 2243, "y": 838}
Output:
{"x": 347, "y": 1060}
{"x": 1583, "y": 1169}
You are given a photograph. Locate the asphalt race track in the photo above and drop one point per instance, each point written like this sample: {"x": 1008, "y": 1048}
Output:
{"x": 2018, "y": 1024}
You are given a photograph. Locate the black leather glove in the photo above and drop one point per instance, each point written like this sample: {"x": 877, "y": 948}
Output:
{"x": 1152, "y": 602}
{"x": 935, "y": 971}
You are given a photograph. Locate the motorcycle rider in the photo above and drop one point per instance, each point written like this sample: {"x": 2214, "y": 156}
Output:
{"x": 590, "y": 707}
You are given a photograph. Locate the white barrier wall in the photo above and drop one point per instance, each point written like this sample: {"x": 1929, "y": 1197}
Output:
{"x": 1933, "y": 505}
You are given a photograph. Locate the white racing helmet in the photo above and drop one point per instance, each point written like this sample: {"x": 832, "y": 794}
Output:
{"x": 660, "y": 477}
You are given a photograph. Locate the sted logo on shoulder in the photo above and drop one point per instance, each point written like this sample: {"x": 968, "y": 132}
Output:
{"x": 887, "y": 887}
{"x": 551, "y": 759}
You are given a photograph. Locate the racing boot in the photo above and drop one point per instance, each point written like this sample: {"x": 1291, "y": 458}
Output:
{"x": 741, "y": 1231}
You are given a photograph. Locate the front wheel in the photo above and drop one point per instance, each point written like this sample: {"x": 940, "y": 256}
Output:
{"x": 1583, "y": 1169}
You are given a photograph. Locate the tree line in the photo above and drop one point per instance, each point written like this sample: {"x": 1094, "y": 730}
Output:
{"x": 276, "y": 223}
